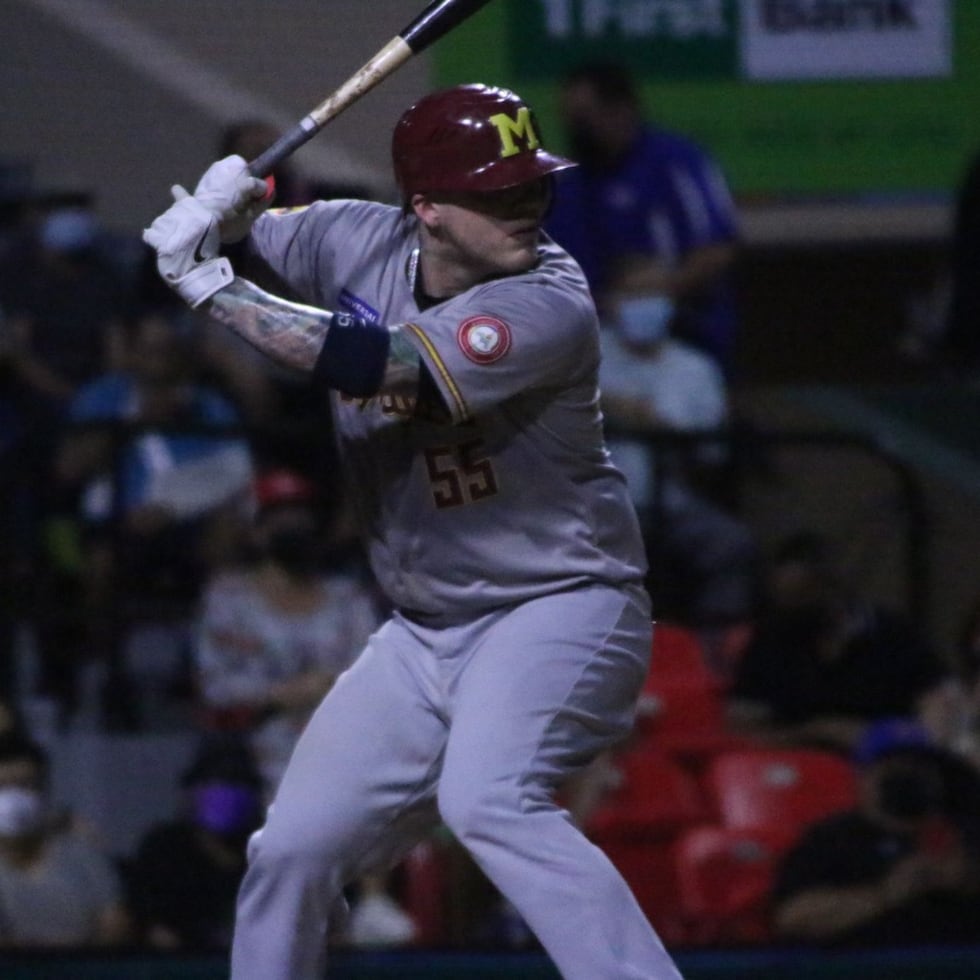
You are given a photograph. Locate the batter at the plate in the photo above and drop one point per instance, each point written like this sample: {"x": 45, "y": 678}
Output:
{"x": 461, "y": 346}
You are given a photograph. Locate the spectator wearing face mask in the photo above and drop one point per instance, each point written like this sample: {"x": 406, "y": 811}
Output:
{"x": 57, "y": 888}
{"x": 272, "y": 640}
{"x": 273, "y": 637}
{"x": 903, "y": 867}
{"x": 185, "y": 875}
{"x": 648, "y": 212}
{"x": 702, "y": 559}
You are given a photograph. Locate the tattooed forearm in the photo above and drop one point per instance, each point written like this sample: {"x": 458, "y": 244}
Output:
{"x": 404, "y": 366}
{"x": 290, "y": 333}
{"x": 293, "y": 334}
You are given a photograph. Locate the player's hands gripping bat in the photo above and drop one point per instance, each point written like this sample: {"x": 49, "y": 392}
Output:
{"x": 437, "y": 19}
{"x": 185, "y": 238}
{"x": 228, "y": 189}
{"x": 232, "y": 195}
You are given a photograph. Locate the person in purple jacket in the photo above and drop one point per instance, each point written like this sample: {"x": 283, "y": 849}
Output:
{"x": 461, "y": 348}
{"x": 648, "y": 213}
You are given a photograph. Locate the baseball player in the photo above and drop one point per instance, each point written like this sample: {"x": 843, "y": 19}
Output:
{"x": 461, "y": 348}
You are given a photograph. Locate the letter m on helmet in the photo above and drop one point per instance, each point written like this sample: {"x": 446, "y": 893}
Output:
{"x": 513, "y": 129}
{"x": 469, "y": 138}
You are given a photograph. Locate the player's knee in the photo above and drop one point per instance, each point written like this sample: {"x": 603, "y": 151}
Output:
{"x": 279, "y": 854}
{"x": 272, "y": 851}
{"x": 283, "y": 873}
{"x": 468, "y": 810}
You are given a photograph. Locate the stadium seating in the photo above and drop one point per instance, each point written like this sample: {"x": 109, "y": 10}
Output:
{"x": 681, "y": 708}
{"x": 724, "y": 878}
{"x": 652, "y": 797}
{"x": 654, "y": 800}
{"x": 782, "y": 788}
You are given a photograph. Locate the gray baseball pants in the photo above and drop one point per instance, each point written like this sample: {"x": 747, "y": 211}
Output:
{"x": 475, "y": 725}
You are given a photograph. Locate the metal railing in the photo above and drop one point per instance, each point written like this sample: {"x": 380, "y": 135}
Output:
{"x": 748, "y": 448}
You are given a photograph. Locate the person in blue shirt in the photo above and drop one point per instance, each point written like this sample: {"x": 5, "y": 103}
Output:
{"x": 648, "y": 212}
{"x": 154, "y": 471}
{"x": 162, "y": 474}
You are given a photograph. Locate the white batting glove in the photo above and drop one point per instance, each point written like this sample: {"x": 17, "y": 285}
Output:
{"x": 230, "y": 191}
{"x": 185, "y": 238}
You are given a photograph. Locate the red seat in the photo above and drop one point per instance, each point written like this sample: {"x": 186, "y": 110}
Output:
{"x": 647, "y": 866}
{"x": 652, "y": 797}
{"x": 677, "y": 666}
{"x": 681, "y": 707}
{"x": 724, "y": 878}
{"x": 655, "y": 796}
{"x": 786, "y": 789}
{"x": 426, "y": 885}
{"x": 653, "y": 800}
{"x": 678, "y": 653}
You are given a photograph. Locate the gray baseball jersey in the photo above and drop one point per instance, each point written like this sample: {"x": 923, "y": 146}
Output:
{"x": 497, "y": 525}
{"x": 494, "y": 486}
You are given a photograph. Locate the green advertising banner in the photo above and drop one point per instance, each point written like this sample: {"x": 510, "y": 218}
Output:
{"x": 830, "y": 98}
{"x": 695, "y": 39}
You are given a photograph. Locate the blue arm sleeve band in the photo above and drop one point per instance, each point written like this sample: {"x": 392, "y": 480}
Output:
{"x": 353, "y": 357}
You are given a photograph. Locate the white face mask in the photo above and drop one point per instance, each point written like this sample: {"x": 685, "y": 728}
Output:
{"x": 645, "y": 320}
{"x": 21, "y": 811}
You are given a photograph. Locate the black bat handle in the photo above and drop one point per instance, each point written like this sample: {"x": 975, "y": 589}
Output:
{"x": 437, "y": 19}
{"x": 290, "y": 141}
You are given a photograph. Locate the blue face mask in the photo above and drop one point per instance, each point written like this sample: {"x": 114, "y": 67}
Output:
{"x": 644, "y": 320}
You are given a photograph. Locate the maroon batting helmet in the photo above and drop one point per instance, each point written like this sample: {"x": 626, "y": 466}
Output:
{"x": 469, "y": 138}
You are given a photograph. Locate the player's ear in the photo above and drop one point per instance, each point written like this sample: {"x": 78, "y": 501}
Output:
{"x": 426, "y": 210}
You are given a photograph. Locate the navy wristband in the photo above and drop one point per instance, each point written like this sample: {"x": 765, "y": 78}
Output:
{"x": 353, "y": 357}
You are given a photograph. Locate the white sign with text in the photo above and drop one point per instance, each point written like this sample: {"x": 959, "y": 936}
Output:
{"x": 826, "y": 39}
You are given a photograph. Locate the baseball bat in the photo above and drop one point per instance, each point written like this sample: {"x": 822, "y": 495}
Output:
{"x": 437, "y": 19}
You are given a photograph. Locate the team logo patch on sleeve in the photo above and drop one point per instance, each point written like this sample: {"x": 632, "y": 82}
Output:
{"x": 483, "y": 339}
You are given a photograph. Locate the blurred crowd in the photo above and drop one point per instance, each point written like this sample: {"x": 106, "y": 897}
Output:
{"x": 177, "y": 553}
